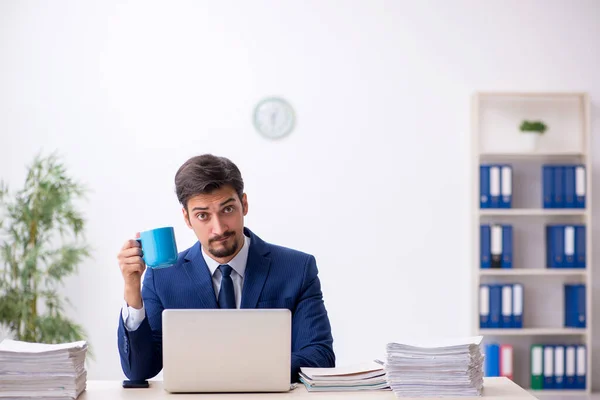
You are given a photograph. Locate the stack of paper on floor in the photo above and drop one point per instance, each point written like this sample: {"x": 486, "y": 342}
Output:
{"x": 44, "y": 371}
{"x": 435, "y": 368}
{"x": 367, "y": 376}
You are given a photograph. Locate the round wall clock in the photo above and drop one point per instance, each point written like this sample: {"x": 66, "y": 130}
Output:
{"x": 274, "y": 118}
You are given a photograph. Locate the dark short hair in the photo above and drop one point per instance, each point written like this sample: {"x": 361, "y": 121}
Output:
{"x": 205, "y": 173}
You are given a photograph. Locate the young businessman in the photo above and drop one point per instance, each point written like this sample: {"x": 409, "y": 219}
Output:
{"x": 229, "y": 267}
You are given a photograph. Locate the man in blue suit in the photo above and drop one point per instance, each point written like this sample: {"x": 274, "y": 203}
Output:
{"x": 229, "y": 267}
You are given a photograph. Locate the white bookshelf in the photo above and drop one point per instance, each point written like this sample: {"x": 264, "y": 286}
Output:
{"x": 534, "y": 332}
{"x": 496, "y": 117}
{"x": 533, "y": 272}
{"x": 531, "y": 212}
{"x": 537, "y": 154}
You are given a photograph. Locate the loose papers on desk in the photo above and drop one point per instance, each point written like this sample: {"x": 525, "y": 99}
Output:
{"x": 365, "y": 376}
{"x": 435, "y": 368}
{"x": 44, "y": 371}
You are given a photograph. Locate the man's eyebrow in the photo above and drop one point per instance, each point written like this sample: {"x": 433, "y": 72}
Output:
{"x": 229, "y": 200}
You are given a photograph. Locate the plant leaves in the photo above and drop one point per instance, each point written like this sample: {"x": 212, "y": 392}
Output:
{"x": 34, "y": 259}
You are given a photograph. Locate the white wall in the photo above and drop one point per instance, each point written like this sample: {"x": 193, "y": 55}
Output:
{"x": 375, "y": 179}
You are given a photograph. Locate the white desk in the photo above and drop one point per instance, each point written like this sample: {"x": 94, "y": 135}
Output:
{"x": 494, "y": 388}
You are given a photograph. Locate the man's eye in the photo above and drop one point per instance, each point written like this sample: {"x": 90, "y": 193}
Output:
{"x": 201, "y": 216}
{"x": 228, "y": 209}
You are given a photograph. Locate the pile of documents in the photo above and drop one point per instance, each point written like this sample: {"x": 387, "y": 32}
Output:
{"x": 435, "y": 368}
{"x": 44, "y": 371}
{"x": 367, "y": 376}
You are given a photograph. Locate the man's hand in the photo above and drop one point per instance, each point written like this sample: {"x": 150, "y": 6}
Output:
{"x": 132, "y": 267}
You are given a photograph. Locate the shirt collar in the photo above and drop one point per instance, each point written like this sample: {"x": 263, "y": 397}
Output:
{"x": 237, "y": 263}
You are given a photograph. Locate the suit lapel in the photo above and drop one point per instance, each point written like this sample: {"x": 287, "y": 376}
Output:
{"x": 198, "y": 272}
{"x": 257, "y": 270}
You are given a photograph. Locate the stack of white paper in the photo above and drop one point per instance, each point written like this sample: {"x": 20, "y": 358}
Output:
{"x": 435, "y": 368}
{"x": 44, "y": 371}
{"x": 367, "y": 376}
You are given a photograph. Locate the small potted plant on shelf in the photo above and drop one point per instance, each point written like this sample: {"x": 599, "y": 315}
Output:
{"x": 532, "y": 130}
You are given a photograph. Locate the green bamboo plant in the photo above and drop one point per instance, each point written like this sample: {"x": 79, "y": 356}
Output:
{"x": 41, "y": 243}
{"x": 533, "y": 126}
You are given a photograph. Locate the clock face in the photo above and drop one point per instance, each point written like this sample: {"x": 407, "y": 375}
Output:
{"x": 274, "y": 118}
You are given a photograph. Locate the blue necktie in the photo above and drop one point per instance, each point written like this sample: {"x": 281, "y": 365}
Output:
{"x": 226, "y": 293}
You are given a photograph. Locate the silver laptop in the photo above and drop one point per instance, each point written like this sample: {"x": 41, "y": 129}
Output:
{"x": 233, "y": 350}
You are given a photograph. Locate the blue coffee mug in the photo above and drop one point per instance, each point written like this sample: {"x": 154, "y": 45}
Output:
{"x": 159, "y": 249}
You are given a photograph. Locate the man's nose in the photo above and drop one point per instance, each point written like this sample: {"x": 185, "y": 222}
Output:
{"x": 218, "y": 227}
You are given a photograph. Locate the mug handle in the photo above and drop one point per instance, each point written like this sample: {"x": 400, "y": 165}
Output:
{"x": 139, "y": 240}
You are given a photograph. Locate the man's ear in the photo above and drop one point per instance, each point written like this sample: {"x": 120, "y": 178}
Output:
{"x": 245, "y": 204}
{"x": 186, "y": 217}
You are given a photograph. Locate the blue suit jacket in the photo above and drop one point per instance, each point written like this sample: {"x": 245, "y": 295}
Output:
{"x": 275, "y": 277}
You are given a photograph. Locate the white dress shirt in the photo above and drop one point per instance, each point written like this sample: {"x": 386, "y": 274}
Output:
{"x": 133, "y": 317}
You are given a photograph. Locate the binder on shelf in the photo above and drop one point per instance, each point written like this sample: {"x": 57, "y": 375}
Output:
{"x": 559, "y": 200}
{"x": 580, "y": 186}
{"x": 563, "y": 186}
{"x": 569, "y": 247}
{"x": 548, "y": 367}
{"x": 496, "y": 246}
{"x": 580, "y": 309}
{"x": 570, "y": 367}
{"x": 549, "y": 241}
{"x": 506, "y": 187}
{"x": 495, "y": 306}
{"x": 581, "y": 369}
{"x": 507, "y": 246}
{"x": 484, "y": 186}
{"x": 484, "y": 246}
{"x": 506, "y": 361}
{"x": 537, "y": 365}
{"x": 492, "y": 359}
{"x": 570, "y": 306}
{"x": 580, "y": 254}
{"x": 517, "y": 305}
{"x": 484, "y": 306}
{"x": 494, "y": 186}
{"x": 575, "y": 305}
{"x": 501, "y": 306}
{"x": 569, "y": 185}
{"x": 507, "y": 306}
{"x": 547, "y": 186}
{"x": 559, "y": 367}
{"x": 555, "y": 246}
